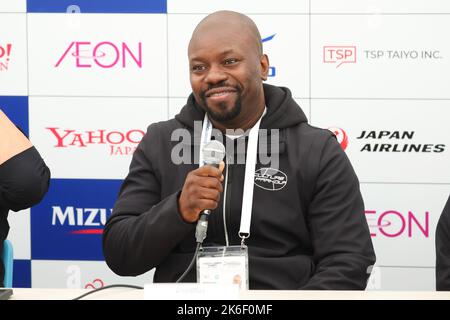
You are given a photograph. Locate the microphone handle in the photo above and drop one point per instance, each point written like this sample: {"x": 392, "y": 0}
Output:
{"x": 206, "y": 213}
{"x": 202, "y": 223}
{"x": 202, "y": 226}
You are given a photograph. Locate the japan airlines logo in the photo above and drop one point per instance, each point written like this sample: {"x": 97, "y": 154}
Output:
{"x": 339, "y": 54}
{"x": 105, "y": 54}
{"x": 272, "y": 70}
{"x": 398, "y": 141}
{"x": 270, "y": 179}
{"x": 341, "y": 136}
{"x": 5, "y": 53}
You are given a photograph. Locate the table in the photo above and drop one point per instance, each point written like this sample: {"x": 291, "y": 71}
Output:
{"x": 136, "y": 294}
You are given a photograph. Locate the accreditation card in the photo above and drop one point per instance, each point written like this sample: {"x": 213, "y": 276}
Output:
{"x": 223, "y": 265}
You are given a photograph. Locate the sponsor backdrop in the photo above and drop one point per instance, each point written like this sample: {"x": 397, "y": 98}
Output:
{"x": 85, "y": 78}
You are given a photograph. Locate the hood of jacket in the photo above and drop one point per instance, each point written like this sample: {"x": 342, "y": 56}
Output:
{"x": 282, "y": 110}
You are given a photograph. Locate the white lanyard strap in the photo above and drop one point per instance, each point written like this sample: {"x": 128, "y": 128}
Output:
{"x": 249, "y": 178}
{"x": 250, "y": 164}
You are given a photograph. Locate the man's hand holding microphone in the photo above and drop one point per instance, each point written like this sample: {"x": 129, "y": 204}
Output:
{"x": 202, "y": 188}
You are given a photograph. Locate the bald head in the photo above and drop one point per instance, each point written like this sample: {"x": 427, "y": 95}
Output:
{"x": 227, "y": 69}
{"x": 228, "y": 21}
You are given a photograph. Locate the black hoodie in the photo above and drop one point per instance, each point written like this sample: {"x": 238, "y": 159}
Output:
{"x": 311, "y": 233}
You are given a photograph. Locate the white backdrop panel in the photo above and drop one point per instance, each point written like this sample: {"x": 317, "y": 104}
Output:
{"x": 13, "y": 6}
{"x": 79, "y": 274}
{"x": 400, "y": 56}
{"x": 13, "y": 54}
{"x": 380, "y": 6}
{"x": 402, "y": 279}
{"x": 61, "y": 131}
{"x": 260, "y": 6}
{"x": 359, "y": 117}
{"x": 98, "y": 54}
{"x": 402, "y": 219}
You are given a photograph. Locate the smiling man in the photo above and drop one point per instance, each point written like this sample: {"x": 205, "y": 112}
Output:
{"x": 227, "y": 68}
{"x": 300, "y": 224}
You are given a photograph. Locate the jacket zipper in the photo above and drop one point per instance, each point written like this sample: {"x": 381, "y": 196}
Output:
{"x": 225, "y": 206}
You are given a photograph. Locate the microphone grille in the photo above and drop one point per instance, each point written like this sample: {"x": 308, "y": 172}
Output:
{"x": 213, "y": 152}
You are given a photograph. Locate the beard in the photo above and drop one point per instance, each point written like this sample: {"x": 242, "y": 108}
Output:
{"x": 225, "y": 115}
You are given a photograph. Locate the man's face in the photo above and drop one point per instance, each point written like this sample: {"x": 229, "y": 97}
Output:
{"x": 226, "y": 72}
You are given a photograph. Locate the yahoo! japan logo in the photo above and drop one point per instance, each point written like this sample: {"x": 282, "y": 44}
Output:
{"x": 5, "y": 53}
{"x": 272, "y": 70}
{"x": 341, "y": 136}
{"x": 119, "y": 142}
{"x": 339, "y": 54}
{"x": 103, "y": 54}
{"x": 393, "y": 223}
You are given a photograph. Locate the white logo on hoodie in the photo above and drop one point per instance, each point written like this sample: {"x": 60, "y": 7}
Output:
{"x": 270, "y": 179}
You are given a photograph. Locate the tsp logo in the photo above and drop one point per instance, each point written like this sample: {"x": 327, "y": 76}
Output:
{"x": 272, "y": 70}
{"x": 341, "y": 136}
{"x": 339, "y": 54}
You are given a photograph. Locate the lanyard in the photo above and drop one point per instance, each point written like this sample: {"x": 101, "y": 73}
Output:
{"x": 250, "y": 164}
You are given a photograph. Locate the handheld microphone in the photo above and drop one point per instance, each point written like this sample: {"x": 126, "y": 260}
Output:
{"x": 213, "y": 153}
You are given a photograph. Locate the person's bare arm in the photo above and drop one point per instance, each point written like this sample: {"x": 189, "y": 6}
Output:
{"x": 12, "y": 141}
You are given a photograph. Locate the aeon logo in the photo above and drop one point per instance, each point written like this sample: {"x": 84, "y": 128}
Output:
{"x": 272, "y": 70}
{"x": 5, "y": 53}
{"x": 393, "y": 224}
{"x": 81, "y": 217}
{"x": 104, "y": 55}
{"x": 341, "y": 136}
{"x": 120, "y": 142}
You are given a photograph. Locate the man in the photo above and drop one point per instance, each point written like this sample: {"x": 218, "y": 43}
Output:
{"x": 307, "y": 230}
{"x": 24, "y": 177}
{"x": 443, "y": 250}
